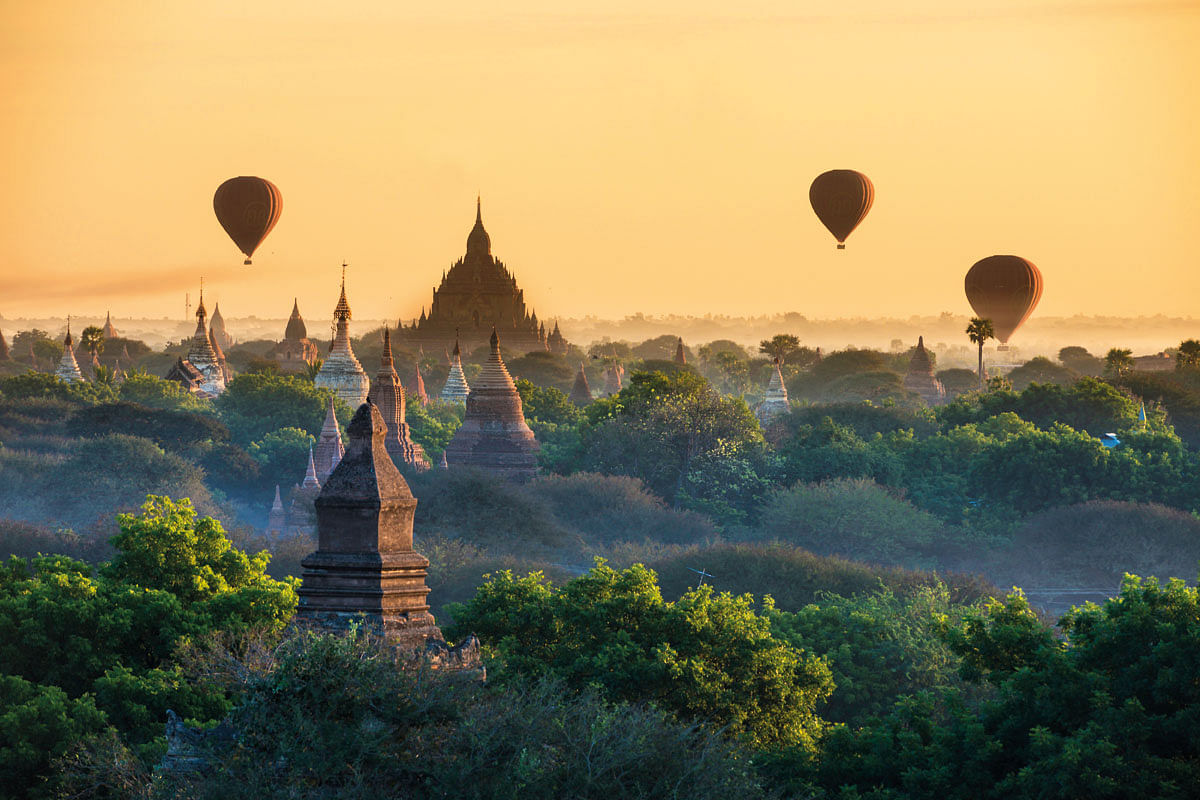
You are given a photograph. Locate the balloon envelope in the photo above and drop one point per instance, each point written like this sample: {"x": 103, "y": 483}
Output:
{"x": 841, "y": 199}
{"x": 1004, "y": 289}
{"x": 247, "y": 208}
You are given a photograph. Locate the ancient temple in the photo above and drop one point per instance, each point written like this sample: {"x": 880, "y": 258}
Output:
{"x": 296, "y": 352}
{"x": 775, "y": 404}
{"x": 581, "y": 393}
{"x": 216, "y": 329}
{"x": 477, "y": 294}
{"x": 556, "y": 343}
{"x": 341, "y": 371}
{"x": 455, "y": 390}
{"x": 301, "y": 518}
{"x": 680, "y": 354}
{"x": 388, "y": 396}
{"x": 109, "y": 330}
{"x": 202, "y": 356}
{"x": 186, "y": 375}
{"x": 365, "y": 569}
{"x": 329, "y": 445}
{"x": 68, "y": 368}
{"x": 494, "y": 435}
{"x": 920, "y": 378}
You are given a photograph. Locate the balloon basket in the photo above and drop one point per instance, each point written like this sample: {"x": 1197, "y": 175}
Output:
{"x": 246, "y": 262}
{"x": 1002, "y": 347}
{"x": 841, "y": 247}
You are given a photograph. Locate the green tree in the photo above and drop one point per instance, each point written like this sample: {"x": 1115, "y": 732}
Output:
{"x": 780, "y": 346}
{"x": 254, "y": 405}
{"x": 1118, "y": 361}
{"x": 148, "y": 390}
{"x": 979, "y": 331}
{"x": 1188, "y": 355}
{"x": 547, "y": 404}
{"x": 282, "y": 455}
{"x": 92, "y": 340}
{"x": 707, "y": 657}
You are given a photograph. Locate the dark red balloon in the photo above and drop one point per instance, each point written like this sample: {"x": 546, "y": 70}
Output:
{"x": 247, "y": 208}
{"x": 841, "y": 198}
{"x": 1004, "y": 289}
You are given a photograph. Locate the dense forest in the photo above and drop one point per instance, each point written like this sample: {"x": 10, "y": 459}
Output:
{"x": 857, "y": 634}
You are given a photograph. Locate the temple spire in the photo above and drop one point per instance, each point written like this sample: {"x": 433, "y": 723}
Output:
{"x": 387, "y": 395}
{"x": 329, "y": 444}
{"x": 341, "y": 372}
{"x": 680, "y": 354}
{"x": 68, "y": 368}
{"x": 581, "y": 393}
{"x": 310, "y": 474}
{"x": 775, "y": 403}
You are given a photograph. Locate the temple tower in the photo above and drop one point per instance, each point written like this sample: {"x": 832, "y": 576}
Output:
{"x": 455, "y": 389}
{"x": 494, "y": 435}
{"x": 329, "y": 445}
{"x": 476, "y": 294}
{"x": 920, "y": 378}
{"x": 216, "y": 329}
{"x": 276, "y": 518}
{"x": 296, "y": 352}
{"x": 109, "y": 330}
{"x": 418, "y": 393}
{"x": 388, "y": 396}
{"x": 556, "y": 343}
{"x": 365, "y": 567}
{"x": 614, "y": 377}
{"x": 226, "y": 372}
{"x": 341, "y": 373}
{"x": 68, "y": 368}
{"x": 775, "y": 404}
{"x": 202, "y": 356}
{"x": 581, "y": 393}
{"x": 680, "y": 354}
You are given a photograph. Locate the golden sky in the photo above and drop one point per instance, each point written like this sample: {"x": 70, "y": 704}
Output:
{"x": 632, "y": 155}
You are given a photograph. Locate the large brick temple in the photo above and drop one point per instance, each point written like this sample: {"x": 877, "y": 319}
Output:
{"x": 478, "y": 294}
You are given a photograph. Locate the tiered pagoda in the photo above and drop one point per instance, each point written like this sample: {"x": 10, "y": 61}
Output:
{"x": 494, "y": 435}
{"x": 614, "y": 378}
{"x": 296, "y": 352}
{"x": 455, "y": 389}
{"x": 418, "y": 394}
{"x": 341, "y": 371}
{"x": 387, "y": 394}
{"x": 68, "y": 368}
{"x": 775, "y": 404}
{"x": 920, "y": 378}
{"x": 680, "y": 353}
{"x": 477, "y": 294}
{"x": 203, "y": 358}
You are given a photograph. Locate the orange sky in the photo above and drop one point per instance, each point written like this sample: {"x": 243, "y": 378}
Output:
{"x": 632, "y": 156}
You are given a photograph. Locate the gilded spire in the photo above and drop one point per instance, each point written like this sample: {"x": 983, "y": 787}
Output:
{"x": 342, "y": 311}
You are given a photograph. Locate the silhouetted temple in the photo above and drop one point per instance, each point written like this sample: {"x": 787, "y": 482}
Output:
{"x": 920, "y": 378}
{"x": 365, "y": 567}
{"x": 216, "y": 329}
{"x": 494, "y": 435}
{"x": 477, "y": 294}
{"x": 388, "y": 396}
{"x": 680, "y": 353}
{"x": 109, "y": 330}
{"x": 296, "y": 352}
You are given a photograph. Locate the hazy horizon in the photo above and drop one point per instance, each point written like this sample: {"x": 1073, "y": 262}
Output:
{"x": 630, "y": 157}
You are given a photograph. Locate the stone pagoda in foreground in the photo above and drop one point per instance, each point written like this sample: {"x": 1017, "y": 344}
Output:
{"x": 388, "y": 396}
{"x": 920, "y": 378}
{"x": 494, "y": 435}
{"x": 365, "y": 567}
{"x": 341, "y": 373}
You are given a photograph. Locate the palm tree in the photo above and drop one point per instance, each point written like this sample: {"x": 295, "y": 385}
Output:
{"x": 1118, "y": 361}
{"x": 93, "y": 339}
{"x": 979, "y": 331}
{"x": 780, "y": 346}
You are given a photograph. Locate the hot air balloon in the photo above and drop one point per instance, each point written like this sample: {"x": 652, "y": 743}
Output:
{"x": 247, "y": 208}
{"x": 841, "y": 198}
{"x": 1004, "y": 289}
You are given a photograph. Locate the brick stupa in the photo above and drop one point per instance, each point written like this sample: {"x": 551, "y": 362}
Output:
{"x": 388, "y": 396}
{"x": 365, "y": 568}
{"x": 494, "y": 435}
